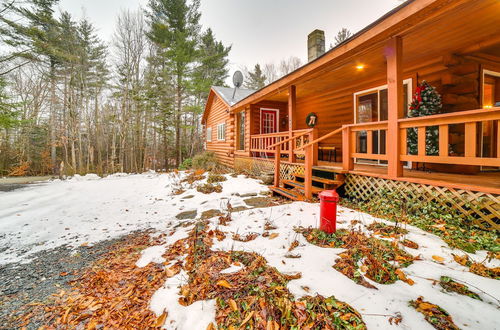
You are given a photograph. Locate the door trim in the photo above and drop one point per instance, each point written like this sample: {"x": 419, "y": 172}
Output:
{"x": 277, "y": 118}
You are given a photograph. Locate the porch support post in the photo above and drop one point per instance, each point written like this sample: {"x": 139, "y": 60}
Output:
{"x": 292, "y": 104}
{"x": 394, "y": 52}
{"x": 347, "y": 149}
{"x": 277, "y": 159}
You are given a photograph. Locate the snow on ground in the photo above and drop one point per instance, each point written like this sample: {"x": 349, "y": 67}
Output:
{"x": 90, "y": 209}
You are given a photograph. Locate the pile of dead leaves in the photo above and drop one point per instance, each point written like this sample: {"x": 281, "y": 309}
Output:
{"x": 378, "y": 260}
{"x": 409, "y": 243}
{"x": 477, "y": 268}
{"x": 245, "y": 238}
{"x": 384, "y": 230}
{"x": 194, "y": 176}
{"x": 434, "y": 314}
{"x": 209, "y": 188}
{"x": 451, "y": 285}
{"x": 256, "y": 296}
{"x": 115, "y": 292}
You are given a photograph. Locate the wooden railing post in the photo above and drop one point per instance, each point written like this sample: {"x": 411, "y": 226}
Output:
{"x": 292, "y": 101}
{"x": 277, "y": 159}
{"x": 309, "y": 153}
{"x": 313, "y": 136}
{"x": 347, "y": 148}
{"x": 394, "y": 52}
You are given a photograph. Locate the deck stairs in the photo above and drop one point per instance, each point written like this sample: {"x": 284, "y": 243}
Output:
{"x": 323, "y": 178}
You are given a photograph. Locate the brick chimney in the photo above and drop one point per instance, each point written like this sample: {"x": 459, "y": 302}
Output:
{"x": 315, "y": 45}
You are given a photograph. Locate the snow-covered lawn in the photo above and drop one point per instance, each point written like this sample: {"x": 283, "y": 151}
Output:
{"x": 89, "y": 209}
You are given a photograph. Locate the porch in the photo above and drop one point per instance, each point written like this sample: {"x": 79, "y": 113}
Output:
{"x": 464, "y": 166}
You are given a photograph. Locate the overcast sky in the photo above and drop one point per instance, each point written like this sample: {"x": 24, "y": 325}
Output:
{"x": 259, "y": 30}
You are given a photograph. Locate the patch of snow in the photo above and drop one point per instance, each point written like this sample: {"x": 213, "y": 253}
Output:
{"x": 151, "y": 254}
{"x": 195, "y": 316}
{"x": 232, "y": 269}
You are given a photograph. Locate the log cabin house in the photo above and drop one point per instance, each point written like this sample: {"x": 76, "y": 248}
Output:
{"x": 342, "y": 119}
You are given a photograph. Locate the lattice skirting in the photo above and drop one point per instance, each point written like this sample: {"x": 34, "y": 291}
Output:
{"x": 484, "y": 208}
{"x": 258, "y": 166}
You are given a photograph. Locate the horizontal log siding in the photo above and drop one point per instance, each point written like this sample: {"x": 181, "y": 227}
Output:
{"x": 224, "y": 150}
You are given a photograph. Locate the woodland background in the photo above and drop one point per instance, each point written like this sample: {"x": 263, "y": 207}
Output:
{"x": 70, "y": 103}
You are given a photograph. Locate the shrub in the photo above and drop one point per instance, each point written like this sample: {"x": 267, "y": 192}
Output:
{"x": 212, "y": 178}
{"x": 186, "y": 164}
{"x": 206, "y": 161}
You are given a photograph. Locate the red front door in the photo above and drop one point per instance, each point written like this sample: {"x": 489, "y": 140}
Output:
{"x": 268, "y": 124}
{"x": 268, "y": 121}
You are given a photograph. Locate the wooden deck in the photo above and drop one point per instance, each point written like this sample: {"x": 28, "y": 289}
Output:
{"x": 488, "y": 182}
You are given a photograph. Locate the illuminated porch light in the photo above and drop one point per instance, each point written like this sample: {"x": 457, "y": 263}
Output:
{"x": 489, "y": 106}
{"x": 360, "y": 67}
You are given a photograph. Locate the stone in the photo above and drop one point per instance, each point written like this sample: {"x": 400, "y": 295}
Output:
{"x": 258, "y": 202}
{"x": 187, "y": 215}
{"x": 211, "y": 213}
{"x": 248, "y": 195}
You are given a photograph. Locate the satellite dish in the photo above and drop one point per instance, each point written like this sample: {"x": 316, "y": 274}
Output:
{"x": 237, "y": 81}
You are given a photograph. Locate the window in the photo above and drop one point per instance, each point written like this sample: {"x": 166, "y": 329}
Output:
{"x": 209, "y": 134}
{"x": 241, "y": 130}
{"x": 371, "y": 106}
{"x": 221, "y": 132}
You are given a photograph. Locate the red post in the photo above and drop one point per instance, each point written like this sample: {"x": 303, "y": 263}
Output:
{"x": 328, "y": 211}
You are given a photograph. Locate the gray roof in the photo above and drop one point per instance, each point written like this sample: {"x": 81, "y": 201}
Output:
{"x": 227, "y": 94}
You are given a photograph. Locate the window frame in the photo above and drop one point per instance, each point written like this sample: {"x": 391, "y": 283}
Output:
{"x": 221, "y": 132}
{"x": 208, "y": 137}
{"x": 241, "y": 137}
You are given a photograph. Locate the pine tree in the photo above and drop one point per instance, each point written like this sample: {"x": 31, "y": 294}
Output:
{"x": 256, "y": 79}
{"x": 426, "y": 101}
{"x": 174, "y": 30}
{"x": 212, "y": 69}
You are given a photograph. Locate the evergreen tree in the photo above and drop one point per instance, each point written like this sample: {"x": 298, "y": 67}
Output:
{"x": 256, "y": 79}
{"x": 212, "y": 69}
{"x": 426, "y": 101}
{"x": 174, "y": 30}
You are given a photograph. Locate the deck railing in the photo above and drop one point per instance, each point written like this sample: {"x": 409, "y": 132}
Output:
{"x": 260, "y": 143}
{"x": 470, "y": 119}
{"x": 441, "y": 123}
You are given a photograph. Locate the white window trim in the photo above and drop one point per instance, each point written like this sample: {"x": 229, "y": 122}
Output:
{"x": 221, "y": 133}
{"x": 209, "y": 134}
{"x": 277, "y": 118}
{"x": 408, "y": 82}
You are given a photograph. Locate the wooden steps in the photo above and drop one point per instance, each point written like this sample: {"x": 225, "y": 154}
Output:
{"x": 329, "y": 169}
{"x": 295, "y": 189}
{"x": 288, "y": 193}
{"x": 324, "y": 181}
{"x": 300, "y": 186}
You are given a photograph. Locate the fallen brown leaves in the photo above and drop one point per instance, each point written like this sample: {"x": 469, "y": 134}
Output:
{"x": 114, "y": 292}
{"x": 256, "y": 296}
{"x": 194, "y": 176}
{"x": 382, "y": 229}
{"x": 380, "y": 260}
{"x": 245, "y": 238}
{"x": 434, "y": 314}
{"x": 477, "y": 268}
